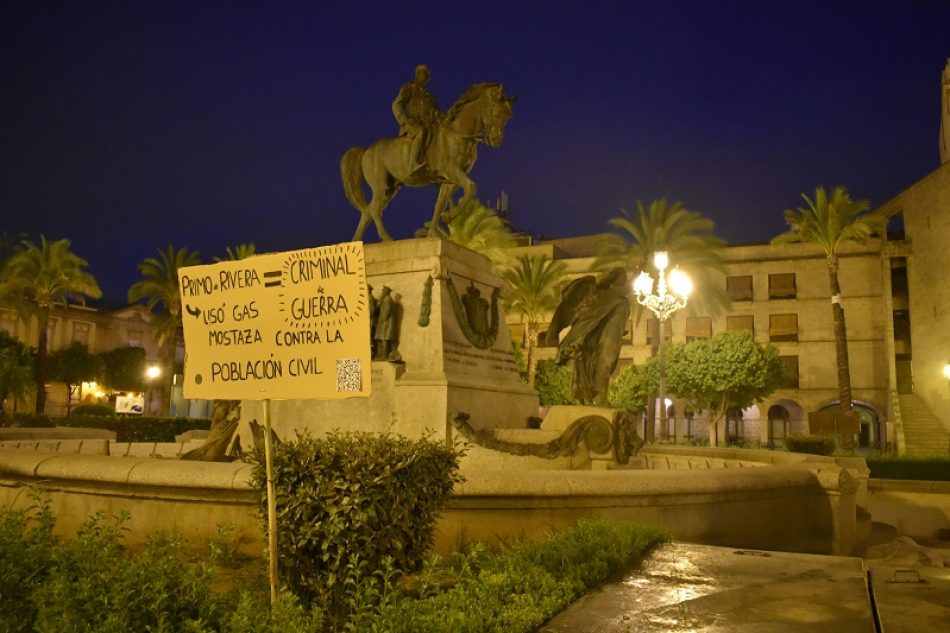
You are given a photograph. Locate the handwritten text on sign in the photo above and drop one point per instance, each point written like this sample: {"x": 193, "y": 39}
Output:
{"x": 289, "y": 325}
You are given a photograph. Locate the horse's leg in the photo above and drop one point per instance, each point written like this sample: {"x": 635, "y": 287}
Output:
{"x": 457, "y": 176}
{"x": 361, "y": 227}
{"x": 382, "y": 187}
{"x": 445, "y": 194}
{"x": 384, "y": 197}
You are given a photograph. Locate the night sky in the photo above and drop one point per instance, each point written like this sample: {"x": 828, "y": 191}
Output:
{"x": 129, "y": 126}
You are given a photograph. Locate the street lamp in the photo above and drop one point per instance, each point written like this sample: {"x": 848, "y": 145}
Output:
{"x": 151, "y": 373}
{"x": 671, "y": 295}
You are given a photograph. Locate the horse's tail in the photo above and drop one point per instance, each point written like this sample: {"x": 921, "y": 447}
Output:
{"x": 351, "y": 171}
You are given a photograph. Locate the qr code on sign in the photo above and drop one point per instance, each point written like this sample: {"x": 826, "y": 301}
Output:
{"x": 349, "y": 375}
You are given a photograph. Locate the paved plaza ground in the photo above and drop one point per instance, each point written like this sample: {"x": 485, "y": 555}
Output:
{"x": 700, "y": 588}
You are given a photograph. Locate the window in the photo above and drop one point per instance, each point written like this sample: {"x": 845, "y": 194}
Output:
{"x": 81, "y": 333}
{"x": 739, "y": 288}
{"x": 791, "y": 371}
{"x": 51, "y": 334}
{"x": 782, "y": 286}
{"x": 667, "y": 329}
{"x": 517, "y": 333}
{"x": 698, "y": 328}
{"x": 628, "y": 332}
{"x": 740, "y": 323}
{"x": 783, "y": 327}
{"x": 734, "y": 426}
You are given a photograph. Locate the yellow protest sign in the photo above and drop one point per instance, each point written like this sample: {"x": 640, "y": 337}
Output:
{"x": 291, "y": 325}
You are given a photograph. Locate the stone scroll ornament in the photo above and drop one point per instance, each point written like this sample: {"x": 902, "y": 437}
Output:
{"x": 597, "y": 432}
{"x": 478, "y": 322}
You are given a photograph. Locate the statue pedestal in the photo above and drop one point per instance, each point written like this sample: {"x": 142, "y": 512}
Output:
{"x": 454, "y": 349}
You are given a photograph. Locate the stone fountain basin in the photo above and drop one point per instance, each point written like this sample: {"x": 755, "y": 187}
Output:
{"x": 739, "y": 498}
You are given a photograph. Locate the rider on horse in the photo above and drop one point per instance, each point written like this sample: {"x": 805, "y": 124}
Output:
{"x": 417, "y": 112}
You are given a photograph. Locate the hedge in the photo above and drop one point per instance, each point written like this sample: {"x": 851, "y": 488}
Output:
{"x": 127, "y": 429}
{"x": 811, "y": 444}
{"x": 916, "y": 468}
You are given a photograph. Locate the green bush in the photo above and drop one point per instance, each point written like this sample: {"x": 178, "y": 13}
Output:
{"x": 349, "y": 505}
{"x": 93, "y": 584}
{"x": 522, "y": 588}
{"x": 631, "y": 388}
{"x": 916, "y": 468}
{"x": 102, "y": 410}
{"x": 27, "y": 420}
{"x": 26, "y": 555}
{"x": 811, "y": 444}
{"x": 553, "y": 383}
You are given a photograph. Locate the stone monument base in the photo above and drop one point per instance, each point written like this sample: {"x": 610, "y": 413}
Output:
{"x": 453, "y": 351}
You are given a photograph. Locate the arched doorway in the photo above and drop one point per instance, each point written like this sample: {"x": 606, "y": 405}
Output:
{"x": 870, "y": 436}
{"x": 779, "y": 418}
{"x": 785, "y": 418}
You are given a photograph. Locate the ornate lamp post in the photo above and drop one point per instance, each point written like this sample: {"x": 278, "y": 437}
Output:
{"x": 671, "y": 295}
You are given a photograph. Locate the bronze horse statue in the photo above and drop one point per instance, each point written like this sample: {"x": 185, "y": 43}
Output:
{"x": 479, "y": 115}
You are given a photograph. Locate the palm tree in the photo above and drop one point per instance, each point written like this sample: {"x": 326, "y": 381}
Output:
{"x": 689, "y": 240}
{"x": 35, "y": 279}
{"x": 241, "y": 251}
{"x": 475, "y": 226}
{"x": 534, "y": 291}
{"x": 16, "y": 371}
{"x": 159, "y": 288}
{"x": 828, "y": 222}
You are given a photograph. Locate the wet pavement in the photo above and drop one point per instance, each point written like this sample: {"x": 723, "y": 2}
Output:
{"x": 704, "y": 589}
{"x": 701, "y": 588}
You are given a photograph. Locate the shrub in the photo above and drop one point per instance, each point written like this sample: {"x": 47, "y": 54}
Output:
{"x": 523, "y": 587}
{"x": 916, "y": 468}
{"x": 553, "y": 383}
{"x": 349, "y": 505}
{"x": 631, "y": 388}
{"x": 100, "y": 410}
{"x": 26, "y": 547}
{"x": 28, "y": 420}
{"x": 811, "y": 444}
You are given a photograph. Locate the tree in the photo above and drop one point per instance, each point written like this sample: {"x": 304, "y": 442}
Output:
{"x": 241, "y": 251}
{"x": 534, "y": 291}
{"x": 828, "y": 222}
{"x": 728, "y": 371}
{"x": 123, "y": 369}
{"x": 35, "y": 279}
{"x": 688, "y": 239}
{"x": 159, "y": 288}
{"x": 16, "y": 370}
{"x": 73, "y": 365}
{"x": 633, "y": 385}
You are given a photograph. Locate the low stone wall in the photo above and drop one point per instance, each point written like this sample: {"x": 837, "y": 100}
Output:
{"x": 800, "y": 503}
{"x": 190, "y": 498}
{"x": 919, "y": 509}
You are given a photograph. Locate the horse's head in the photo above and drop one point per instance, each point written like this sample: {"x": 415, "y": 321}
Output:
{"x": 502, "y": 107}
{"x": 482, "y": 111}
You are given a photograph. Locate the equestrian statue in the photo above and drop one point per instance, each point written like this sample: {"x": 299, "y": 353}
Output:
{"x": 432, "y": 148}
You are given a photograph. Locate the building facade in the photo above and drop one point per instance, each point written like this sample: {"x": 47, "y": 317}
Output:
{"x": 100, "y": 330}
